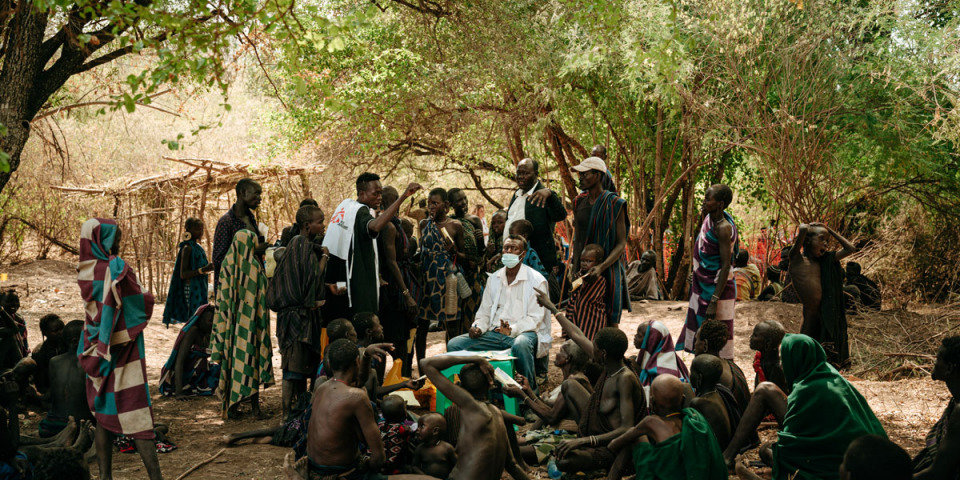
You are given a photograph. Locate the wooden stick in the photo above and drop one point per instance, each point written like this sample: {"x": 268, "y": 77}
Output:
{"x": 911, "y": 355}
{"x": 195, "y": 467}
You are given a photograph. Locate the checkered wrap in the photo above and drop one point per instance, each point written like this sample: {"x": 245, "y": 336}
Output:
{"x": 111, "y": 347}
{"x": 240, "y": 341}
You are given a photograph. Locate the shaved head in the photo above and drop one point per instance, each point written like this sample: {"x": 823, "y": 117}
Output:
{"x": 666, "y": 394}
{"x": 705, "y": 372}
{"x": 767, "y": 336}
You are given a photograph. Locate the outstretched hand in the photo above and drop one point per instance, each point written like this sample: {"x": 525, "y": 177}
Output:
{"x": 412, "y": 188}
{"x": 539, "y": 198}
{"x": 544, "y": 300}
{"x": 381, "y": 350}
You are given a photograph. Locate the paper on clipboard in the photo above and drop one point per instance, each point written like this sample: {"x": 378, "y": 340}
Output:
{"x": 504, "y": 378}
{"x": 408, "y": 397}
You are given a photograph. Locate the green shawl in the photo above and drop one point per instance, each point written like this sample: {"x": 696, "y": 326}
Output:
{"x": 692, "y": 454}
{"x": 825, "y": 413}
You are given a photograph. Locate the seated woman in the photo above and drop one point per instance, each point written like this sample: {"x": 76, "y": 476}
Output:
{"x": 188, "y": 371}
{"x": 822, "y": 416}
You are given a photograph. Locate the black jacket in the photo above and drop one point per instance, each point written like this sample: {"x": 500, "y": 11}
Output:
{"x": 544, "y": 220}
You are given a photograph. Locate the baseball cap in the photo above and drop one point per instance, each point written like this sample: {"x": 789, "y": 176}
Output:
{"x": 591, "y": 163}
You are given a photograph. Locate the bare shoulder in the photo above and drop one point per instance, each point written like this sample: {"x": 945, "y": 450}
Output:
{"x": 724, "y": 228}
{"x": 628, "y": 379}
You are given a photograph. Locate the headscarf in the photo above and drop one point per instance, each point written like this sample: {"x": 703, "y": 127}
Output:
{"x": 658, "y": 355}
{"x": 825, "y": 413}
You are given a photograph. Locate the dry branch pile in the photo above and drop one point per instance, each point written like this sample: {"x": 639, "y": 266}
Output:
{"x": 152, "y": 210}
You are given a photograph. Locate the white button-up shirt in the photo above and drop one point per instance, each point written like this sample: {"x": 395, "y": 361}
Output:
{"x": 517, "y": 209}
{"x": 516, "y": 304}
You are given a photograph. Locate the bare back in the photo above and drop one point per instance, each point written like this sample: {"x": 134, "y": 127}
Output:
{"x": 334, "y": 430}
{"x": 68, "y": 388}
{"x": 483, "y": 447}
{"x": 711, "y": 406}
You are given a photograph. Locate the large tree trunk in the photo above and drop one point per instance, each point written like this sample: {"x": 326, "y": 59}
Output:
{"x": 22, "y": 65}
{"x": 554, "y": 137}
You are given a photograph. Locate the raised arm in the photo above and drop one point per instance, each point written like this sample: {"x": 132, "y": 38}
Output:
{"x": 848, "y": 248}
{"x": 433, "y": 368}
{"x": 384, "y": 218}
{"x": 798, "y": 242}
{"x": 568, "y": 327}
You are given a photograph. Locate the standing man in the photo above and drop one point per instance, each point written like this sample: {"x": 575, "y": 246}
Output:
{"x": 540, "y": 206}
{"x": 714, "y": 292}
{"x": 351, "y": 237}
{"x": 398, "y": 296}
{"x": 239, "y": 217}
{"x": 240, "y": 339}
{"x": 111, "y": 346}
{"x": 509, "y": 315}
{"x": 473, "y": 248}
{"x": 600, "y": 216}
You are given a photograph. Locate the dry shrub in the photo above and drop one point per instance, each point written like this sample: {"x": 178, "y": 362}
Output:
{"x": 913, "y": 254}
{"x": 898, "y": 343}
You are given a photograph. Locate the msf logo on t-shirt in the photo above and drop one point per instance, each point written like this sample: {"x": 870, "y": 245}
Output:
{"x": 338, "y": 218}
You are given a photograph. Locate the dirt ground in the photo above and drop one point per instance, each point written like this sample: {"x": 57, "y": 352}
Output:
{"x": 907, "y": 408}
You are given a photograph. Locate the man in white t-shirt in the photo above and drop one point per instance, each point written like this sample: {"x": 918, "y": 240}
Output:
{"x": 509, "y": 316}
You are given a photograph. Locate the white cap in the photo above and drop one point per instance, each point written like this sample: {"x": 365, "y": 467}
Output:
{"x": 591, "y": 163}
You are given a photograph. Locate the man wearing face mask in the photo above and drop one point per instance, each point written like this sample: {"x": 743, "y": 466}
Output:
{"x": 509, "y": 316}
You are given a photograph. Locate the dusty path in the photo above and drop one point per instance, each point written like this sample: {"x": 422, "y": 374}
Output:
{"x": 907, "y": 408}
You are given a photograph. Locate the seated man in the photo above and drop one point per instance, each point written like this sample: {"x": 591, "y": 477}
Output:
{"x": 674, "y": 443}
{"x": 13, "y": 331}
{"x": 509, "y": 316}
{"x": 616, "y": 402}
{"x": 714, "y": 401}
{"x": 51, "y": 328}
{"x": 642, "y": 282}
{"x": 483, "y": 449}
{"x": 772, "y": 290}
{"x": 869, "y": 297}
{"x": 188, "y": 371}
{"x": 343, "y": 417}
{"x": 822, "y": 416}
{"x": 747, "y": 276}
{"x": 67, "y": 394}
{"x": 765, "y": 339}
{"x": 940, "y": 459}
{"x": 710, "y": 338}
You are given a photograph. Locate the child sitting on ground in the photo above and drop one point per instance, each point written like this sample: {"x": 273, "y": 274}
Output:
{"x": 434, "y": 456}
{"x": 587, "y": 308}
{"x": 51, "y": 328}
{"x": 395, "y": 430}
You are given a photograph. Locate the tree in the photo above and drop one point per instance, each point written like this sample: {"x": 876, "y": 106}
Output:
{"x": 45, "y": 43}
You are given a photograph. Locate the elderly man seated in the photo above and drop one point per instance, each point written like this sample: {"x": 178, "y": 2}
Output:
{"x": 509, "y": 316}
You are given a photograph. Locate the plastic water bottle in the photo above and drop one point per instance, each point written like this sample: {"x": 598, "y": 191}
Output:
{"x": 552, "y": 469}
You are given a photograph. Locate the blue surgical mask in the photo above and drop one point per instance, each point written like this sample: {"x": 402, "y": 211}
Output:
{"x": 510, "y": 260}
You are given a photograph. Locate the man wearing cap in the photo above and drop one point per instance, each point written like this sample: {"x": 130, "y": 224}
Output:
{"x": 540, "y": 206}
{"x": 599, "y": 216}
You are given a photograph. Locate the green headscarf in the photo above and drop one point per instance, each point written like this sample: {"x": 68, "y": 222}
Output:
{"x": 825, "y": 413}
